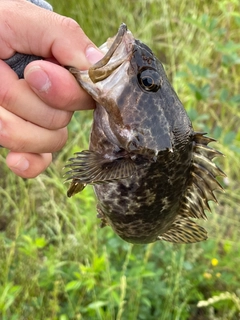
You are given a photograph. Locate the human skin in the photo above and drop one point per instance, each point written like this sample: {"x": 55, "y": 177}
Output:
{"x": 35, "y": 111}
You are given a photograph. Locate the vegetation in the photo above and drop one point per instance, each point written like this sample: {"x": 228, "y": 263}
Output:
{"x": 55, "y": 261}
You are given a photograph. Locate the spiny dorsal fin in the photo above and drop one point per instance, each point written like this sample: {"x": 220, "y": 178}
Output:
{"x": 89, "y": 167}
{"x": 201, "y": 138}
{"x": 203, "y": 179}
{"x": 184, "y": 230}
{"x": 206, "y": 151}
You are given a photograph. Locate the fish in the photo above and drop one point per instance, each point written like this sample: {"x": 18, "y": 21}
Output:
{"x": 152, "y": 174}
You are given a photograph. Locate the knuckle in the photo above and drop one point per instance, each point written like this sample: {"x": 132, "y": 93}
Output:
{"x": 69, "y": 23}
{"x": 9, "y": 86}
{"x": 6, "y": 97}
{"x": 62, "y": 139}
{"x": 58, "y": 119}
{"x": 7, "y": 32}
{"x": 18, "y": 146}
{"x": 14, "y": 144}
{"x": 6, "y": 138}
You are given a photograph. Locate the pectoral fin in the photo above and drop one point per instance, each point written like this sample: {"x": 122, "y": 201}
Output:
{"x": 89, "y": 167}
{"x": 184, "y": 230}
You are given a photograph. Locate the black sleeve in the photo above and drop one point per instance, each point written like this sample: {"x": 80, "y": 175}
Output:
{"x": 19, "y": 61}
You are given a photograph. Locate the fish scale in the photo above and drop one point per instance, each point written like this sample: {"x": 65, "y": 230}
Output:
{"x": 152, "y": 174}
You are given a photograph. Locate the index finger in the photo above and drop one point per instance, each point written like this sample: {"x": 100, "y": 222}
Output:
{"x": 42, "y": 33}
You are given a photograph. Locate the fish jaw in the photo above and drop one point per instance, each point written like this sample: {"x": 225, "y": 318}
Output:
{"x": 102, "y": 79}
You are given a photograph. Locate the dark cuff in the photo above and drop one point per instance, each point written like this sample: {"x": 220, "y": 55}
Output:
{"x": 19, "y": 61}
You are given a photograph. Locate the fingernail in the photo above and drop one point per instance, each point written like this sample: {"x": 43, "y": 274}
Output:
{"x": 38, "y": 79}
{"x": 22, "y": 164}
{"x": 93, "y": 55}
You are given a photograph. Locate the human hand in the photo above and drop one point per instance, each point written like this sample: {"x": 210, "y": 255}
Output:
{"x": 35, "y": 111}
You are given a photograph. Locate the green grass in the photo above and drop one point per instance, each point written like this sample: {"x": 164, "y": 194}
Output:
{"x": 55, "y": 261}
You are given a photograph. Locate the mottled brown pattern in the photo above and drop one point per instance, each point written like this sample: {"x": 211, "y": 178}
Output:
{"x": 150, "y": 171}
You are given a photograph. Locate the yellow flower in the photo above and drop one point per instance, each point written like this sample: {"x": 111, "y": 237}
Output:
{"x": 214, "y": 262}
{"x": 218, "y": 274}
{"x": 207, "y": 275}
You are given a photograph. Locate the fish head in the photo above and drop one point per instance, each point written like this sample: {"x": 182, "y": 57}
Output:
{"x": 140, "y": 112}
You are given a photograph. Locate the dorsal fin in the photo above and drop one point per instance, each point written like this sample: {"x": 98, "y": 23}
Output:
{"x": 184, "y": 230}
{"x": 203, "y": 179}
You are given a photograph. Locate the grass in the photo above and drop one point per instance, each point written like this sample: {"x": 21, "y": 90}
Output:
{"x": 55, "y": 261}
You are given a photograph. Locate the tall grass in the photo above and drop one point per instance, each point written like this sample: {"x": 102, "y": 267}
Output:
{"x": 55, "y": 261}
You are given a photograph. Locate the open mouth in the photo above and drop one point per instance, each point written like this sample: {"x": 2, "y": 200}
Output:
{"x": 116, "y": 55}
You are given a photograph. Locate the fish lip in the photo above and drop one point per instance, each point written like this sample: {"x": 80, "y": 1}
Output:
{"x": 117, "y": 50}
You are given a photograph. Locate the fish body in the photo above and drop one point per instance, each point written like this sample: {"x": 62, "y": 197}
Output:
{"x": 150, "y": 171}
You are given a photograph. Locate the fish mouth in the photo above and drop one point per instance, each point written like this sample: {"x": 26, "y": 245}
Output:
{"x": 117, "y": 54}
{"x": 102, "y": 75}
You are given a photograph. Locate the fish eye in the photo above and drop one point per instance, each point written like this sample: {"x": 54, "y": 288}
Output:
{"x": 149, "y": 80}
